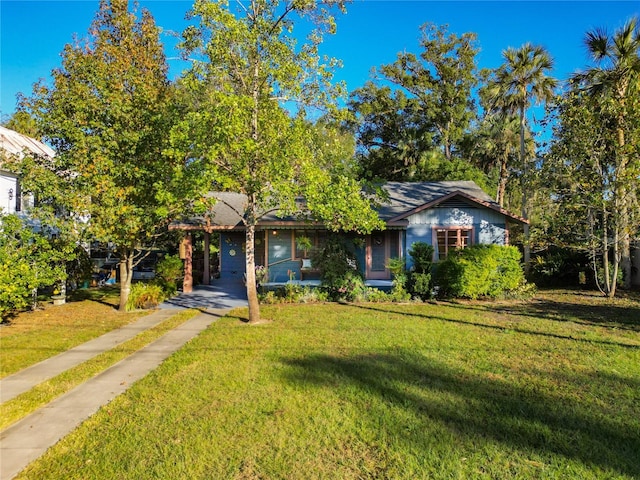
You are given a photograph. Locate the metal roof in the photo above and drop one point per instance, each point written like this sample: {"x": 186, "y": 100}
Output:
{"x": 16, "y": 143}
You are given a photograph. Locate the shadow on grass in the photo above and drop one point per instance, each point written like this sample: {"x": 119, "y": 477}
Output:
{"x": 610, "y": 316}
{"x": 98, "y": 295}
{"x": 518, "y": 329}
{"x": 476, "y": 407}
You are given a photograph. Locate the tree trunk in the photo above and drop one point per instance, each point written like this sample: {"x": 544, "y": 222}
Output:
{"x": 605, "y": 254}
{"x": 126, "y": 274}
{"x": 504, "y": 176}
{"x": 616, "y": 262}
{"x": 525, "y": 197}
{"x": 252, "y": 291}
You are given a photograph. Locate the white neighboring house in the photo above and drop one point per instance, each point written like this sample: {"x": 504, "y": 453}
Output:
{"x": 13, "y": 143}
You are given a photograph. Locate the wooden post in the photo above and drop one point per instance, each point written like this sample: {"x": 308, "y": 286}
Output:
{"x": 187, "y": 284}
{"x": 206, "y": 274}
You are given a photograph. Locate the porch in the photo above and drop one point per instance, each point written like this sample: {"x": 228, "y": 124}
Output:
{"x": 379, "y": 284}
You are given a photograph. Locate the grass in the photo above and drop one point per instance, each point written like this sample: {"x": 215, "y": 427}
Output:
{"x": 34, "y": 336}
{"x": 45, "y": 392}
{"x": 548, "y": 388}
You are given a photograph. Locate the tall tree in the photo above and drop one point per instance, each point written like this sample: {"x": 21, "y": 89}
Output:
{"x": 581, "y": 168}
{"x": 518, "y": 83}
{"x": 429, "y": 110}
{"x": 105, "y": 115}
{"x": 248, "y": 74}
{"x": 441, "y": 80}
{"x": 613, "y": 83}
{"x": 496, "y": 145}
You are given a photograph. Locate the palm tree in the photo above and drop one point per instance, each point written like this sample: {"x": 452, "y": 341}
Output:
{"x": 615, "y": 77}
{"x": 497, "y": 145}
{"x": 518, "y": 83}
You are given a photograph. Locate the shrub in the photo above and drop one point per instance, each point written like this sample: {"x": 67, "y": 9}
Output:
{"x": 559, "y": 267}
{"x": 480, "y": 270}
{"x": 420, "y": 284}
{"x": 339, "y": 270}
{"x": 145, "y": 295}
{"x": 169, "y": 273}
{"x": 422, "y": 255}
{"x": 292, "y": 293}
{"x": 28, "y": 261}
{"x": 170, "y": 268}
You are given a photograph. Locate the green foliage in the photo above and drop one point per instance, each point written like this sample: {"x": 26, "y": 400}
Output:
{"x": 396, "y": 266}
{"x": 304, "y": 244}
{"x": 401, "y": 130}
{"x": 145, "y": 295}
{"x": 79, "y": 266}
{"x": 107, "y": 114}
{"x": 262, "y": 274}
{"x": 422, "y": 256}
{"x": 339, "y": 270}
{"x": 293, "y": 293}
{"x": 480, "y": 271}
{"x": 420, "y": 284}
{"x": 169, "y": 272}
{"x": 559, "y": 268}
{"x": 28, "y": 261}
{"x": 237, "y": 124}
{"x": 22, "y": 122}
{"x": 594, "y": 161}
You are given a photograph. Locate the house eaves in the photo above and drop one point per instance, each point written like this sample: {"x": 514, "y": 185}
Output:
{"x": 434, "y": 203}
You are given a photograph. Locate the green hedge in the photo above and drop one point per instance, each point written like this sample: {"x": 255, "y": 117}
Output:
{"x": 480, "y": 271}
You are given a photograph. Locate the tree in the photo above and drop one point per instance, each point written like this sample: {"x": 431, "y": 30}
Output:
{"x": 105, "y": 114}
{"x": 28, "y": 261}
{"x": 21, "y": 122}
{"x": 248, "y": 74}
{"x": 613, "y": 84}
{"x": 441, "y": 81}
{"x": 581, "y": 167}
{"x": 517, "y": 84}
{"x": 430, "y": 110}
{"x": 495, "y": 147}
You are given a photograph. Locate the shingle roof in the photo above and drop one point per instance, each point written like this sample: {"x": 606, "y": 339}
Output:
{"x": 225, "y": 214}
{"x": 404, "y": 199}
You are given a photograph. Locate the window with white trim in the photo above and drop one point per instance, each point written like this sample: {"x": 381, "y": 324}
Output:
{"x": 450, "y": 239}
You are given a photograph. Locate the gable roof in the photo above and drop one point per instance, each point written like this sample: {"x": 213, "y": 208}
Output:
{"x": 408, "y": 198}
{"x": 404, "y": 199}
{"x": 15, "y": 143}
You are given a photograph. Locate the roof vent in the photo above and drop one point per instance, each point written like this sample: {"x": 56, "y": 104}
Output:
{"x": 456, "y": 203}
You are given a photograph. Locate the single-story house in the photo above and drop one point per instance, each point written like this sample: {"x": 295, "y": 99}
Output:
{"x": 447, "y": 215}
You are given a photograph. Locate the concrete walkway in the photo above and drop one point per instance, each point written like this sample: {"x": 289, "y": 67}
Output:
{"x": 27, "y": 439}
{"x": 24, "y": 380}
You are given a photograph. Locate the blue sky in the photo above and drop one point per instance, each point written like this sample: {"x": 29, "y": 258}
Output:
{"x": 33, "y": 33}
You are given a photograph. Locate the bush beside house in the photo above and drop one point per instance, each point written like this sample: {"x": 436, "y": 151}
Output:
{"x": 480, "y": 271}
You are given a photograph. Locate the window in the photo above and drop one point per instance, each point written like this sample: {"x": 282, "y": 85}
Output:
{"x": 452, "y": 238}
{"x": 307, "y": 241}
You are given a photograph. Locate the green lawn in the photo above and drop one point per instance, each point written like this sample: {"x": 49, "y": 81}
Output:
{"x": 543, "y": 389}
{"x": 33, "y": 336}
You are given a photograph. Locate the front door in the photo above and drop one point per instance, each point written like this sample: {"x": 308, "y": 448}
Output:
{"x": 378, "y": 256}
